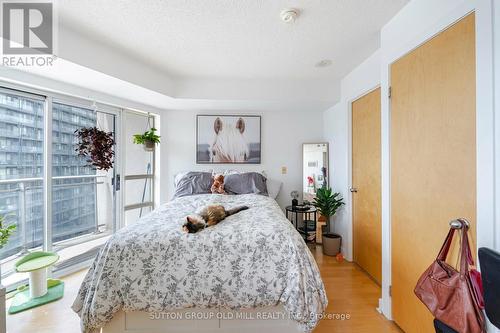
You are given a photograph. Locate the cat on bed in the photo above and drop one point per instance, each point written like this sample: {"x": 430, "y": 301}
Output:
{"x": 208, "y": 216}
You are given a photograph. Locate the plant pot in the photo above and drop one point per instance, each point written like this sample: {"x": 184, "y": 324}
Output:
{"x": 149, "y": 146}
{"x": 331, "y": 242}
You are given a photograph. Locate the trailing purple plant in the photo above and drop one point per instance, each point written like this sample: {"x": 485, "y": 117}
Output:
{"x": 97, "y": 146}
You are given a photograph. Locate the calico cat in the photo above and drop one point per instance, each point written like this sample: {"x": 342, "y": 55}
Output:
{"x": 208, "y": 216}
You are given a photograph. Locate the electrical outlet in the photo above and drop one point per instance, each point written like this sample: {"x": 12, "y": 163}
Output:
{"x": 283, "y": 170}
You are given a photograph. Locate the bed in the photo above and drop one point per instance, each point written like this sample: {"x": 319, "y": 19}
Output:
{"x": 150, "y": 275}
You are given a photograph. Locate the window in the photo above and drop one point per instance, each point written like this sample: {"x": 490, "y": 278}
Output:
{"x": 20, "y": 177}
{"x": 82, "y": 204}
{"x": 82, "y": 198}
{"x": 139, "y": 170}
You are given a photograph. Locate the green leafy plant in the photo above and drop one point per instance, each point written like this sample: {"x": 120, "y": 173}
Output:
{"x": 327, "y": 203}
{"x": 148, "y": 136}
{"x": 5, "y": 232}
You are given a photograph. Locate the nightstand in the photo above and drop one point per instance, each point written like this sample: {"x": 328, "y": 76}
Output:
{"x": 308, "y": 230}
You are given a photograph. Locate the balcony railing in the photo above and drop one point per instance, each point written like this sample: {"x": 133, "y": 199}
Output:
{"x": 31, "y": 185}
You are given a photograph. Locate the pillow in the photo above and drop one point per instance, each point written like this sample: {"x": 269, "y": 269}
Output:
{"x": 192, "y": 183}
{"x": 245, "y": 183}
{"x": 224, "y": 172}
{"x": 273, "y": 188}
{"x": 178, "y": 177}
{"x": 231, "y": 172}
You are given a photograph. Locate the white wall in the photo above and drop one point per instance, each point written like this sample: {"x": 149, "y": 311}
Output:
{"x": 282, "y": 136}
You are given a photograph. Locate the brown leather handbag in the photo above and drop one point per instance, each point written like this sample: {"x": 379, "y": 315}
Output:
{"x": 449, "y": 294}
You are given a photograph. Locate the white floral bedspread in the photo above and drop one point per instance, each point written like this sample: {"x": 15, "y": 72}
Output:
{"x": 251, "y": 259}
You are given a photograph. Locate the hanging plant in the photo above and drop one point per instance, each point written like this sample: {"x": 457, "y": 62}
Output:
{"x": 97, "y": 146}
{"x": 148, "y": 139}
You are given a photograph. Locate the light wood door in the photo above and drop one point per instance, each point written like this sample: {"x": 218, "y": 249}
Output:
{"x": 366, "y": 180}
{"x": 433, "y": 159}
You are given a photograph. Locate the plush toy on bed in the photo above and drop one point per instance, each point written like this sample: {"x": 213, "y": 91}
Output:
{"x": 208, "y": 216}
{"x": 218, "y": 184}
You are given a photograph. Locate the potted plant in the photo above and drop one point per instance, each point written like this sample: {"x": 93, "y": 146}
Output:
{"x": 148, "y": 139}
{"x": 327, "y": 204}
{"x": 5, "y": 233}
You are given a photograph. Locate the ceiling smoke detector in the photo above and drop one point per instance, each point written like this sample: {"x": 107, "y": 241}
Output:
{"x": 323, "y": 63}
{"x": 289, "y": 15}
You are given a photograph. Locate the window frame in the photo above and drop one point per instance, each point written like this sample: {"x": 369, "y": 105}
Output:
{"x": 48, "y": 98}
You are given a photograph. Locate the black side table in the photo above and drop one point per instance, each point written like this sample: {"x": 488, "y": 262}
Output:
{"x": 292, "y": 213}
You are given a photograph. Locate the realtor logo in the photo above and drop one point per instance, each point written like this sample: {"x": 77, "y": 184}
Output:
{"x": 28, "y": 27}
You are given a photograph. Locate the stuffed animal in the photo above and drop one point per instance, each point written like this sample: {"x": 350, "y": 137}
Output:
{"x": 218, "y": 184}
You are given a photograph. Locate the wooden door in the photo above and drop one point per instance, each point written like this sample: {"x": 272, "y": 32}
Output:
{"x": 433, "y": 159}
{"x": 366, "y": 175}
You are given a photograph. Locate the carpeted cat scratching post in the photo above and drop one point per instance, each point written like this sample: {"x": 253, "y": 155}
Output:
{"x": 41, "y": 290}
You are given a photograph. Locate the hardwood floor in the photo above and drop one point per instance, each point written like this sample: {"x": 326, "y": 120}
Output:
{"x": 350, "y": 291}
{"x": 55, "y": 317}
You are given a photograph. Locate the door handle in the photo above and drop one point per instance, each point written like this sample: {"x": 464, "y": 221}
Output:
{"x": 353, "y": 189}
{"x": 116, "y": 182}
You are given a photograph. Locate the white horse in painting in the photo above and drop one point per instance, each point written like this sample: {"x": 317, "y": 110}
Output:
{"x": 229, "y": 144}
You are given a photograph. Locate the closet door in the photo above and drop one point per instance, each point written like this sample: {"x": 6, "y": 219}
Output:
{"x": 433, "y": 159}
{"x": 366, "y": 183}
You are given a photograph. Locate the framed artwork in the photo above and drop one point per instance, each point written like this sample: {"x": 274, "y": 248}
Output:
{"x": 228, "y": 139}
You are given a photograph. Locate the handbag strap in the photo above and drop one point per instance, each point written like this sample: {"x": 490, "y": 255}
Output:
{"x": 446, "y": 245}
{"x": 465, "y": 252}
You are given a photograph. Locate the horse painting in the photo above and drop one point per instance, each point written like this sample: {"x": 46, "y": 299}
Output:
{"x": 229, "y": 144}
{"x": 228, "y": 139}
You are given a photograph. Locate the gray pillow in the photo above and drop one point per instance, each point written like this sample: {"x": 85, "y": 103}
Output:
{"x": 245, "y": 183}
{"x": 193, "y": 183}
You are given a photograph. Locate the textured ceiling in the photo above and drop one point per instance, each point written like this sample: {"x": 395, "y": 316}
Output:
{"x": 235, "y": 39}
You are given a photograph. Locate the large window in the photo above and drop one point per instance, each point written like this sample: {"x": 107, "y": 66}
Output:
{"x": 82, "y": 201}
{"x": 83, "y": 198}
{"x": 72, "y": 213}
{"x": 21, "y": 170}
